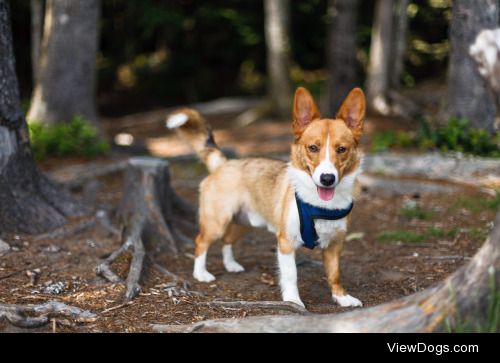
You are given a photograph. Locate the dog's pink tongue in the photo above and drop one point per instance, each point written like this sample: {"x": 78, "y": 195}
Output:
{"x": 326, "y": 193}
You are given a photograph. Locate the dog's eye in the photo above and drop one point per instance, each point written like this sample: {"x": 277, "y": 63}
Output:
{"x": 341, "y": 150}
{"x": 313, "y": 148}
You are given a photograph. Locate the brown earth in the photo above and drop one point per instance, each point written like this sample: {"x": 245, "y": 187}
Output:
{"x": 375, "y": 271}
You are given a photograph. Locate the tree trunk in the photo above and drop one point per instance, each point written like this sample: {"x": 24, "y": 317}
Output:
{"x": 463, "y": 299}
{"x": 277, "y": 28}
{"x": 66, "y": 71}
{"x": 37, "y": 10}
{"x": 342, "y": 51}
{"x": 401, "y": 29}
{"x": 380, "y": 57}
{"x": 28, "y": 201}
{"x": 467, "y": 94}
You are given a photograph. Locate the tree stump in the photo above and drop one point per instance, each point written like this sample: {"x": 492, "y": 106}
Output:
{"x": 147, "y": 210}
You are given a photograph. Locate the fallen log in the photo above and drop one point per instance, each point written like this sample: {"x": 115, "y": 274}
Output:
{"x": 464, "y": 298}
{"x": 148, "y": 207}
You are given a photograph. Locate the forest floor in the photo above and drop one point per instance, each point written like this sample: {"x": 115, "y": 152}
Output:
{"x": 400, "y": 244}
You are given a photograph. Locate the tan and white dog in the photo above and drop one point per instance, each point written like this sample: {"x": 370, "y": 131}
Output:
{"x": 260, "y": 192}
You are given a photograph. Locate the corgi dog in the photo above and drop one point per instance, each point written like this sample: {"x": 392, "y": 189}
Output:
{"x": 273, "y": 194}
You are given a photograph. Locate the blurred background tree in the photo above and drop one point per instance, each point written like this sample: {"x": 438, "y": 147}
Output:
{"x": 64, "y": 35}
{"x": 467, "y": 95}
{"x": 277, "y": 30}
{"x": 342, "y": 51}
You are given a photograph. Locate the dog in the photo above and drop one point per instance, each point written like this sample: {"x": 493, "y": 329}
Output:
{"x": 305, "y": 202}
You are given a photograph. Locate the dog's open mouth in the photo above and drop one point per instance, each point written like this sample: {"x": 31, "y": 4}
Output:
{"x": 326, "y": 193}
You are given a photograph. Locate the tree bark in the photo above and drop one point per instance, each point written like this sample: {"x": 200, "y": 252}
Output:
{"x": 67, "y": 64}
{"x": 377, "y": 83}
{"x": 277, "y": 29}
{"x": 37, "y": 11}
{"x": 29, "y": 203}
{"x": 342, "y": 51}
{"x": 464, "y": 297}
{"x": 399, "y": 44}
{"x": 467, "y": 94}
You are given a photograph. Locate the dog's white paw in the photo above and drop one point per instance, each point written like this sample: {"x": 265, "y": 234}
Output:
{"x": 233, "y": 266}
{"x": 347, "y": 300}
{"x": 293, "y": 298}
{"x": 203, "y": 276}
{"x": 298, "y": 302}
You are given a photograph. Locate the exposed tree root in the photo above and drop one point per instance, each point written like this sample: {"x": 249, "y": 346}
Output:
{"x": 67, "y": 230}
{"x": 271, "y": 305}
{"x": 34, "y": 316}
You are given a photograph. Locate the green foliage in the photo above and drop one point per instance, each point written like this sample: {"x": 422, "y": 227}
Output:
{"x": 76, "y": 138}
{"x": 401, "y": 235}
{"x": 456, "y": 135}
{"x": 477, "y": 234}
{"x": 461, "y": 324}
{"x": 406, "y": 236}
{"x": 417, "y": 212}
{"x": 437, "y": 232}
{"x": 477, "y": 205}
{"x": 388, "y": 139}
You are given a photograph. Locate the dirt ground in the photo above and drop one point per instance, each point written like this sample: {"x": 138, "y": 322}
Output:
{"x": 376, "y": 269}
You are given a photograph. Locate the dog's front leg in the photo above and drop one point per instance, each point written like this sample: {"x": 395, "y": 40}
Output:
{"x": 288, "y": 271}
{"x": 331, "y": 261}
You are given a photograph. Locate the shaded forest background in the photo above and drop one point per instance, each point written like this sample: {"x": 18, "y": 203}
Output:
{"x": 162, "y": 53}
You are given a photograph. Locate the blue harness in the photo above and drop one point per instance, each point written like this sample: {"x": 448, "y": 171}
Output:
{"x": 308, "y": 213}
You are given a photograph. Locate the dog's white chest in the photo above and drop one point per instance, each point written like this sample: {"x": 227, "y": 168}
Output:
{"x": 325, "y": 229}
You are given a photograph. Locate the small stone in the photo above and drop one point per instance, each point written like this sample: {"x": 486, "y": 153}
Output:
{"x": 55, "y": 289}
{"x": 354, "y": 236}
{"x": 4, "y": 246}
{"x": 91, "y": 243}
{"x": 52, "y": 249}
{"x": 410, "y": 204}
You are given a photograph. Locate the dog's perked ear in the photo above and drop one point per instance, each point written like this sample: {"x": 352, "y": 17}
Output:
{"x": 304, "y": 111}
{"x": 352, "y": 112}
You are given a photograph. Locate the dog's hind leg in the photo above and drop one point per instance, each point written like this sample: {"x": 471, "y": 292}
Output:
{"x": 233, "y": 233}
{"x": 203, "y": 241}
{"x": 213, "y": 226}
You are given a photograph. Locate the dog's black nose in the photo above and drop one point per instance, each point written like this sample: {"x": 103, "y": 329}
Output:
{"x": 327, "y": 179}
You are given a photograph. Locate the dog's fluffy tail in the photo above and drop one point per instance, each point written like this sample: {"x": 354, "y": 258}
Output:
{"x": 192, "y": 127}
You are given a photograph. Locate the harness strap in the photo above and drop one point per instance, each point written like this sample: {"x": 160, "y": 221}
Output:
{"x": 308, "y": 213}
